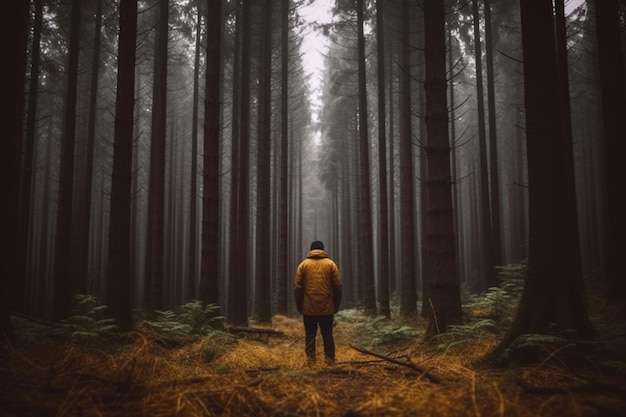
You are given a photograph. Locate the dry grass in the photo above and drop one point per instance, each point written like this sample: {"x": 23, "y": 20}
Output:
{"x": 261, "y": 376}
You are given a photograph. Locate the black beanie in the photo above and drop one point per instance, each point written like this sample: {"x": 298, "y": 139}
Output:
{"x": 317, "y": 245}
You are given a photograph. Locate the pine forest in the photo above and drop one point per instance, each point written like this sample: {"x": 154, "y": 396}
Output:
{"x": 192, "y": 187}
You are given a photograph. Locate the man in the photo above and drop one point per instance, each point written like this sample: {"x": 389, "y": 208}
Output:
{"x": 318, "y": 295}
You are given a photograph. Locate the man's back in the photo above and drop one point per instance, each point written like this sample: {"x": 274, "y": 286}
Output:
{"x": 318, "y": 285}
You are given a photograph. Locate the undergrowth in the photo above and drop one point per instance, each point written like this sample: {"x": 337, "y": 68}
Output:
{"x": 498, "y": 303}
{"x": 185, "y": 324}
{"x": 181, "y": 362}
{"x": 88, "y": 320}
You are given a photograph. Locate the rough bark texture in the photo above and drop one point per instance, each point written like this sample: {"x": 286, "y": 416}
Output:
{"x": 119, "y": 276}
{"x": 553, "y": 296}
{"x": 494, "y": 174}
{"x": 383, "y": 278}
{"x": 156, "y": 197}
{"x": 408, "y": 296}
{"x": 444, "y": 293}
{"x": 283, "y": 210}
{"x": 237, "y": 313}
{"x": 209, "y": 275}
{"x": 193, "y": 197}
{"x": 488, "y": 275}
{"x": 263, "y": 297}
{"x": 365, "y": 247}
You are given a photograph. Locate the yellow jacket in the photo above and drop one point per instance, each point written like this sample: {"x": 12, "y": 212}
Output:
{"x": 318, "y": 285}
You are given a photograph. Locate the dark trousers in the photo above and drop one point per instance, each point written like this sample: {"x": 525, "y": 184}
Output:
{"x": 325, "y": 324}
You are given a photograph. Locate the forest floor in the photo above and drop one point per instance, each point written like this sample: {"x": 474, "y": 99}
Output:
{"x": 256, "y": 374}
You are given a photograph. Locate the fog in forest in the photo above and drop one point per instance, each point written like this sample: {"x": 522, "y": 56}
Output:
{"x": 167, "y": 165}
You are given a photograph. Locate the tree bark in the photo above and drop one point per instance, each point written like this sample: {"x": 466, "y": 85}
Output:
{"x": 444, "y": 293}
{"x": 488, "y": 275}
{"x": 383, "y": 276}
{"x": 25, "y": 206}
{"x": 613, "y": 92}
{"x": 494, "y": 175}
{"x": 193, "y": 197}
{"x": 81, "y": 246}
{"x": 262, "y": 293}
{"x": 13, "y": 38}
{"x": 553, "y": 296}
{"x": 119, "y": 276}
{"x": 365, "y": 246}
{"x": 209, "y": 275}
{"x": 408, "y": 296}
{"x": 233, "y": 262}
{"x": 156, "y": 193}
{"x": 63, "y": 285}
{"x": 283, "y": 209}
{"x": 237, "y": 312}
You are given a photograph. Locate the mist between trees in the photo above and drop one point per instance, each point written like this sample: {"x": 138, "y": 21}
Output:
{"x": 167, "y": 151}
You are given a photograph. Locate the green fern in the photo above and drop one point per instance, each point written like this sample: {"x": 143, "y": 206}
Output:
{"x": 380, "y": 332}
{"x": 187, "y": 324}
{"x": 87, "y": 320}
{"x": 499, "y": 302}
{"x": 394, "y": 335}
{"x": 458, "y": 336}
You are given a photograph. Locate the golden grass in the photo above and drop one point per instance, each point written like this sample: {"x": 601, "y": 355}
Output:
{"x": 269, "y": 377}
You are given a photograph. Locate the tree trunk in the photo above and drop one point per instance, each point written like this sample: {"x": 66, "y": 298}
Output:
{"x": 553, "y": 296}
{"x": 119, "y": 276}
{"x": 494, "y": 175}
{"x": 81, "y": 247}
{"x": 458, "y": 221}
{"x": 283, "y": 209}
{"x": 42, "y": 276}
{"x": 262, "y": 293}
{"x": 613, "y": 93}
{"x": 408, "y": 296}
{"x": 444, "y": 292}
{"x": 365, "y": 246}
{"x": 14, "y": 37}
{"x": 488, "y": 274}
{"x": 567, "y": 143}
{"x": 234, "y": 149}
{"x": 237, "y": 312}
{"x": 156, "y": 193}
{"x": 383, "y": 277}
{"x": 138, "y": 255}
{"x": 193, "y": 194}
{"x": 25, "y": 206}
{"x": 393, "y": 241}
{"x": 209, "y": 278}
{"x": 63, "y": 285}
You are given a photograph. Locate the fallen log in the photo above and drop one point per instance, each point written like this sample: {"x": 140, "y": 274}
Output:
{"x": 432, "y": 378}
{"x": 256, "y": 330}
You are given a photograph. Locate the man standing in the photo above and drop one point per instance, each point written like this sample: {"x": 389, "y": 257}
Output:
{"x": 318, "y": 295}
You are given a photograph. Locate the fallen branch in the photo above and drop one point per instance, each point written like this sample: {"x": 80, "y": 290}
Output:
{"x": 255, "y": 330}
{"x": 432, "y": 378}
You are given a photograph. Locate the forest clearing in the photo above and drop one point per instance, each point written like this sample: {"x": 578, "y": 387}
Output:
{"x": 154, "y": 373}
